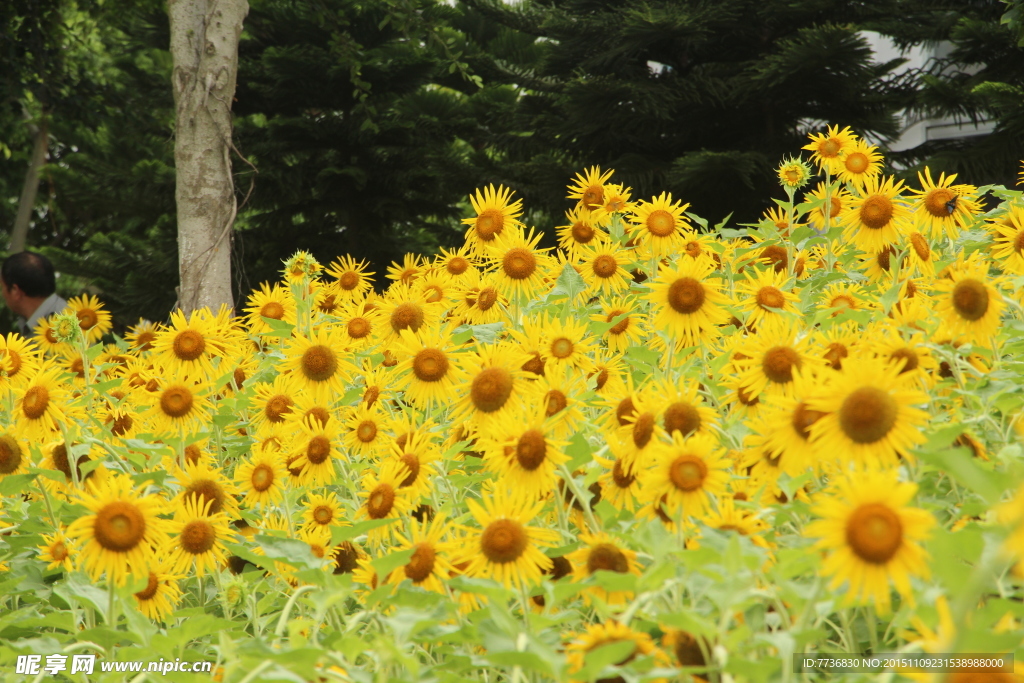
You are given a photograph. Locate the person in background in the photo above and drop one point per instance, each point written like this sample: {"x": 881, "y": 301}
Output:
{"x": 30, "y": 289}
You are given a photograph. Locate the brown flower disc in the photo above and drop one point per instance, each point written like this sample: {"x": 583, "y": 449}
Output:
{"x": 619, "y": 327}
{"x": 582, "y": 232}
{"x": 421, "y": 564}
{"x": 277, "y": 407}
{"x": 272, "y": 309}
{"x": 607, "y": 557}
{"x": 908, "y": 355}
{"x": 35, "y": 402}
{"x": 318, "y": 414}
{"x": 149, "y": 591}
{"x": 491, "y": 389}
{"x": 936, "y": 200}
{"x": 87, "y": 318}
{"x": 176, "y": 401}
{"x": 10, "y": 455}
{"x": 661, "y": 223}
{"x": 119, "y": 526}
{"x": 643, "y": 429}
{"x": 262, "y": 477}
{"x": 188, "y": 345}
{"x": 407, "y": 316}
{"x": 554, "y": 402}
{"x": 535, "y": 365}
{"x": 366, "y": 431}
{"x": 605, "y": 266}
{"x": 562, "y": 347}
{"x": 323, "y": 514}
{"x": 318, "y": 363}
{"x": 876, "y": 211}
{"x": 346, "y": 558}
{"x": 371, "y": 395}
{"x": 192, "y": 454}
{"x": 623, "y": 478}
{"x": 430, "y": 365}
{"x": 687, "y": 650}
{"x": 686, "y": 295}
{"x": 413, "y": 463}
{"x": 970, "y": 299}
{"x": 504, "y": 541}
{"x": 197, "y": 537}
{"x": 206, "y": 491}
{"x": 457, "y": 265}
{"x": 777, "y": 257}
{"x": 770, "y": 297}
{"x": 601, "y": 377}
{"x": 778, "y": 363}
{"x": 746, "y": 398}
{"x": 687, "y": 472}
{"x": 318, "y": 449}
{"x": 594, "y": 195}
{"x": 803, "y": 418}
{"x": 857, "y": 162}
{"x": 531, "y": 450}
{"x": 349, "y": 280}
{"x": 486, "y": 298}
{"x": 835, "y": 354}
{"x": 358, "y": 327}
{"x": 488, "y": 224}
{"x": 519, "y": 263}
{"x": 380, "y": 501}
{"x": 681, "y": 417}
{"x": 874, "y": 533}
{"x": 868, "y": 414}
{"x": 623, "y": 410}
{"x": 920, "y": 246}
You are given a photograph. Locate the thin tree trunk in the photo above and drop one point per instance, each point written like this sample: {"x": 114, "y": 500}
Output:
{"x": 27, "y": 202}
{"x": 204, "y": 47}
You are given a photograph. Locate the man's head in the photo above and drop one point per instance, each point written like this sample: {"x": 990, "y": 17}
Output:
{"x": 27, "y": 279}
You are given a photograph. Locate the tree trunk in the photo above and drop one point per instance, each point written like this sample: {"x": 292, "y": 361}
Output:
{"x": 204, "y": 47}
{"x": 27, "y": 202}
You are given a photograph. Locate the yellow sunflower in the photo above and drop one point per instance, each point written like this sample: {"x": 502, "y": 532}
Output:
{"x": 860, "y": 162}
{"x": 314, "y": 449}
{"x": 942, "y": 207}
{"x": 140, "y": 337}
{"x": 505, "y": 548}
{"x": 180, "y": 404}
{"x": 271, "y": 301}
{"x": 839, "y": 201}
{"x": 970, "y": 304}
{"x": 610, "y": 632}
{"x": 428, "y": 566}
{"x": 1008, "y": 248}
{"x": 525, "y": 453}
{"x": 603, "y": 268}
{"x": 495, "y": 386}
{"x": 772, "y": 356}
{"x": 827, "y": 148}
{"x": 429, "y": 370}
{"x": 589, "y": 189}
{"x": 620, "y": 485}
{"x": 626, "y": 322}
{"x": 495, "y": 212}
{"x": 15, "y": 454}
{"x": 600, "y": 552}
{"x": 121, "y": 531}
{"x": 458, "y": 264}
{"x": 384, "y": 497}
{"x": 322, "y": 511}
{"x": 352, "y": 277}
{"x": 782, "y": 427}
{"x": 767, "y": 299}
{"x": 161, "y": 594}
{"x": 419, "y": 455}
{"x": 262, "y": 477}
{"x": 317, "y": 361}
{"x": 478, "y": 301}
{"x": 517, "y": 266}
{"x": 659, "y": 225}
{"x": 878, "y": 217}
{"x": 359, "y": 324}
{"x": 872, "y": 537}
{"x": 616, "y": 202}
{"x": 274, "y": 401}
{"x": 408, "y": 271}
{"x": 688, "y": 304}
{"x": 93, "y": 318}
{"x": 198, "y": 538}
{"x": 41, "y": 404}
{"x": 685, "y": 476}
{"x": 579, "y": 233}
{"x": 405, "y": 309}
{"x": 564, "y": 343}
{"x": 869, "y": 414}
{"x": 681, "y": 408}
{"x": 58, "y": 551}
{"x": 190, "y": 344}
{"x": 206, "y": 483}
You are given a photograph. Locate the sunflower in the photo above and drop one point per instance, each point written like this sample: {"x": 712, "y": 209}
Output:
{"x": 523, "y": 450}
{"x": 610, "y": 632}
{"x": 839, "y": 202}
{"x": 274, "y": 401}
{"x": 179, "y": 404}
{"x": 1009, "y": 240}
{"x": 518, "y": 267}
{"x": 58, "y": 551}
{"x": 321, "y": 511}
{"x": 564, "y": 343}
{"x": 271, "y": 301}
{"x": 262, "y": 477}
{"x": 41, "y": 403}
{"x": 384, "y": 496}
{"x": 314, "y": 448}
{"x": 301, "y": 266}
{"x": 685, "y": 475}
{"x": 843, "y": 297}
{"x": 458, "y": 264}
{"x": 589, "y": 189}
{"x": 495, "y": 212}
{"x": 15, "y": 453}
{"x": 616, "y": 202}
{"x": 728, "y": 517}
{"x": 190, "y": 344}
{"x": 767, "y": 298}
{"x": 860, "y": 162}
{"x": 920, "y": 254}
{"x": 161, "y": 594}
{"x": 358, "y": 325}
{"x": 775, "y": 217}
{"x": 45, "y": 337}
{"x": 434, "y": 287}
{"x": 316, "y": 405}
{"x": 428, "y": 566}
{"x": 409, "y": 270}
{"x": 619, "y": 482}
{"x": 624, "y": 322}
{"x": 909, "y": 350}
{"x": 878, "y": 217}
{"x": 405, "y": 309}
{"x": 603, "y": 269}
{"x": 93, "y": 318}
{"x": 479, "y": 302}
{"x": 429, "y": 370}
{"x": 140, "y": 337}
{"x": 505, "y": 548}
{"x": 772, "y": 356}
{"x": 941, "y": 206}
{"x": 641, "y": 432}
{"x": 681, "y": 408}
{"x": 688, "y": 305}
{"x": 872, "y": 536}
{"x": 607, "y": 375}
{"x": 793, "y": 173}
{"x": 579, "y": 233}
{"x": 689, "y": 650}
{"x": 352, "y": 277}
{"x": 376, "y": 385}
{"x": 418, "y": 453}
{"x": 121, "y": 531}
{"x": 495, "y": 385}
{"x": 600, "y": 552}
{"x": 558, "y": 390}
{"x": 208, "y": 485}
{"x": 782, "y": 427}
{"x": 969, "y": 304}
{"x": 659, "y": 225}
{"x": 869, "y": 416}
{"x": 827, "y": 149}
{"x": 317, "y": 360}
{"x": 198, "y": 537}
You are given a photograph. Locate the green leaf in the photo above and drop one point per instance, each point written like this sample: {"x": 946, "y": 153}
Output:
{"x": 14, "y": 484}
{"x": 347, "y": 533}
{"x": 290, "y": 551}
{"x": 603, "y": 656}
{"x": 486, "y": 334}
{"x": 569, "y": 284}
{"x": 385, "y": 565}
{"x": 76, "y": 589}
{"x": 579, "y": 451}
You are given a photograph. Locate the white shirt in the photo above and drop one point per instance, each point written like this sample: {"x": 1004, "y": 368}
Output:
{"x": 52, "y": 304}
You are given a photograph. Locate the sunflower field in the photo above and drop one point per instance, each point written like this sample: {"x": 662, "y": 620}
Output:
{"x": 661, "y": 450}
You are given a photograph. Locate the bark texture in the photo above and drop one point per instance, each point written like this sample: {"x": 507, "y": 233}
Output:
{"x": 27, "y": 202}
{"x": 204, "y": 47}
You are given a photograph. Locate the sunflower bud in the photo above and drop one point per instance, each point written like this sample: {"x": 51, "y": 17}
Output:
{"x": 794, "y": 173}
{"x": 65, "y": 328}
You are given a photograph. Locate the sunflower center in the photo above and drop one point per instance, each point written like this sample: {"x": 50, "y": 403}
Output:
{"x": 867, "y": 414}
{"x": 358, "y": 328}
{"x": 686, "y": 295}
{"x": 197, "y": 537}
{"x": 349, "y": 280}
{"x": 746, "y": 398}
{"x": 489, "y": 223}
{"x": 688, "y": 472}
{"x": 318, "y": 363}
{"x": 366, "y": 431}
{"x": 491, "y": 389}
{"x": 661, "y": 223}
{"x": 607, "y": 557}
{"x": 624, "y": 410}
{"x": 457, "y": 265}
{"x": 601, "y": 378}
{"x": 803, "y": 418}
{"x": 206, "y": 491}
{"x": 830, "y": 148}
{"x": 594, "y": 195}
{"x": 323, "y": 514}
{"x": 430, "y": 365}
{"x": 770, "y": 297}
{"x": 421, "y": 564}
{"x": 778, "y": 363}
{"x": 687, "y": 649}
{"x": 519, "y": 263}
{"x": 35, "y": 402}
{"x": 693, "y": 248}
{"x": 318, "y": 413}
{"x": 262, "y": 477}
{"x": 318, "y": 448}
{"x": 874, "y": 533}
{"x": 10, "y": 454}
{"x": 857, "y": 162}
{"x": 188, "y": 345}
{"x": 119, "y": 526}
{"x": 619, "y": 327}
{"x": 776, "y": 256}
{"x": 622, "y": 477}
{"x": 582, "y": 233}
{"x": 605, "y": 266}
{"x": 149, "y": 591}
{"x": 876, "y": 212}
{"x": 277, "y": 407}
{"x": 380, "y": 501}
{"x": 504, "y": 541}
{"x": 176, "y": 401}
{"x": 413, "y": 463}
{"x": 970, "y": 299}
{"x": 272, "y": 309}
{"x": 562, "y": 347}
{"x": 407, "y": 316}
{"x": 681, "y": 417}
{"x": 371, "y": 395}
{"x": 643, "y": 430}
{"x": 15, "y": 359}
{"x": 554, "y": 402}
{"x": 486, "y": 298}
{"x": 908, "y": 355}
{"x": 531, "y": 450}
{"x": 192, "y": 453}
{"x": 920, "y": 245}
{"x": 937, "y": 200}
